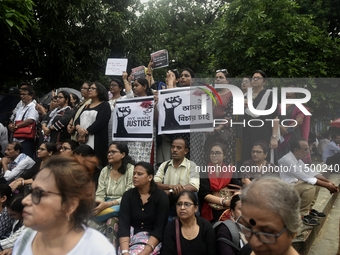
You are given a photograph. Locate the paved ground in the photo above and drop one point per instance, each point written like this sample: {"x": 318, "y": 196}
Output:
{"x": 328, "y": 239}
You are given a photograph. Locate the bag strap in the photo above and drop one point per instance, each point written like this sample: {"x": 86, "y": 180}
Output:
{"x": 235, "y": 236}
{"x": 24, "y": 240}
{"x": 23, "y": 116}
{"x": 166, "y": 168}
{"x": 178, "y": 240}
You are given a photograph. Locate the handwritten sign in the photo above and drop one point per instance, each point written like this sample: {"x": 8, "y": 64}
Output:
{"x": 116, "y": 66}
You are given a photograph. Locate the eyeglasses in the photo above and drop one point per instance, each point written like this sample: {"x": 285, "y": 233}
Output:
{"x": 222, "y": 71}
{"x": 256, "y": 152}
{"x": 112, "y": 152}
{"x": 59, "y": 97}
{"x": 92, "y": 88}
{"x": 82, "y": 88}
{"x": 37, "y": 193}
{"x": 64, "y": 148}
{"x": 114, "y": 85}
{"x": 186, "y": 204}
{"x": 216, "y": 153}
{"x": 257, "y": 78}
{"x": 262, "y": 236}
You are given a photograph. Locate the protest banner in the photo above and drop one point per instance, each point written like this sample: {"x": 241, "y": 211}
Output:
{"x": 180, "y": 111}
{"x": 160, "y": 59}
{"x": 133, "y": 119}
{"x": 116, "y": 66}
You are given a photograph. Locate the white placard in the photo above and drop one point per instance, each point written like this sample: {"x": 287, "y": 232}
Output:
{"x": 116, "y": 66}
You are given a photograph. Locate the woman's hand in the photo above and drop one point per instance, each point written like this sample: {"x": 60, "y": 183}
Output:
{"x": 102, "y": 205}
{"x": 6, "y": 252}
{"x": 273, "y": 143}
{"x": 82, "y": 131}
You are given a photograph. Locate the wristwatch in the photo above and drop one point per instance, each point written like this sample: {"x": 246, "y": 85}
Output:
{"x": 125, "y": 251}
{"x": 275, "y": 137}
{"x": 171, "y": 191}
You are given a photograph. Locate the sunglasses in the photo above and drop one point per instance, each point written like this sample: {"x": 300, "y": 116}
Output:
{"x": 37, "y": 193}
{"x": 222, "y": 71}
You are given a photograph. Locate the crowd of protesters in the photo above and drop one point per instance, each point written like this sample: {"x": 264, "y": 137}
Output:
{"x": 70, "y": 189}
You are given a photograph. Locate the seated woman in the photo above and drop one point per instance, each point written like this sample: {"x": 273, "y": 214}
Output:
{"x": 114, "y": 180}
{"x": 6, "y": 222}
{"x": 228, "y": 230}
{"x": 143, "y": 214}
{"x": 274, "y": 226}
{"x": 60, "y": 201}
{"x": 68, "y": 147}
{"x": 211, "y": 186}
{"x": 45, "y": 151}
{"x": 258, "y": 166}
{"x": 14, "y": 207}
{"x": 196, "y": 235}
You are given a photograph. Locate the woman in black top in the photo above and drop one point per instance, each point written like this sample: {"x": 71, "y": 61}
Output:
{"x": 145, "y": 209}
{"x": 196, "y": 234}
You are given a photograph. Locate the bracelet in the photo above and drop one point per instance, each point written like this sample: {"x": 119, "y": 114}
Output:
{"x": 125, "y": 251}
{"x": 221, "y": 200}
{"x": 152, "y": 247}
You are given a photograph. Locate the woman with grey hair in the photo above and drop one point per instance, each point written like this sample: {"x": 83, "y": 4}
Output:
{"x": 270, "y": 217}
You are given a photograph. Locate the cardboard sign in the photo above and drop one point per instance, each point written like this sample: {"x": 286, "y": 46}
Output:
{"x": 160, "y": 59}
{"x": 116, "y": 66}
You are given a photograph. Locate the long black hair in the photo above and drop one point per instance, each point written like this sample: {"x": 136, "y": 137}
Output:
{"x": 123, "y": 148}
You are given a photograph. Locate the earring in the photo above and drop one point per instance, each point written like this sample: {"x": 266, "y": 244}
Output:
{"x": 68, "y": 217}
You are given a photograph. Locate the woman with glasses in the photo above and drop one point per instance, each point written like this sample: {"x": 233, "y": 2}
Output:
{"x": 223, "y": 133}
{"x": 195, "y": 234}
{"x": 54, "y": 124}
{"x": 270, "y": 217}
{"x": 219, "y": 175}
{"x": 265, "y": 130}
{"x": 143, "y": 214}
{"x": 114, "y": 180}
{"x": 257, "y": 166}
{"x": 246, "y": 83}
{"x": 61, "y": 199}
{"x": 45, "y": 151}
{"x": 92, "y": 125}
{"x": 117, "y": 93}
{"x": 84, "y": 90}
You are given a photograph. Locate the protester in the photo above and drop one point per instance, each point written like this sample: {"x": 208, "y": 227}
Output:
{"x": 15, "y": 162}
{"x": 60, "y": 201}
{"x": 93, "y": 122}
{"x": 6, "y": 222}
{"x": 25, "y": 115}
{"x": 270, "y": 220}
{"x": 228, "y": 230}
{"x": 143, "y": 212}
{"x": 45, "y": 151}
{"x": 54, "y": 124}
{"x": 262, "y": 100}
{"x": 68, "y": 147}
{"x": 213, "y": 199}
{"x": 257, "y": 166}
{"x": 196, "y": 235}
{"x": 304, "y": 180}
{"x": 331, "y": 154}
{"x": 114, "y": 180}
{"x": 246, "y": 83}
{"x": 14, "y": 207}
{"x": 84, "y": 90}
{"x": 74, "y": 99}
{"x": 177, "y": 174}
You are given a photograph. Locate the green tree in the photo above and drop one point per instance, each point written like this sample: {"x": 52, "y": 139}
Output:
{"x": 272, "y": 36}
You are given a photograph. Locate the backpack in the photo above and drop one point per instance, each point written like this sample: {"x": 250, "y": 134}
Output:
{"x": 235, "y": 236}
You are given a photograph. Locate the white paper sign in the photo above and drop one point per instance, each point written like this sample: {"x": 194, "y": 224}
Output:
{"x": 116, "y": 66}
{"x": 133, "y": 119}
{"x": 180, "y": 111}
